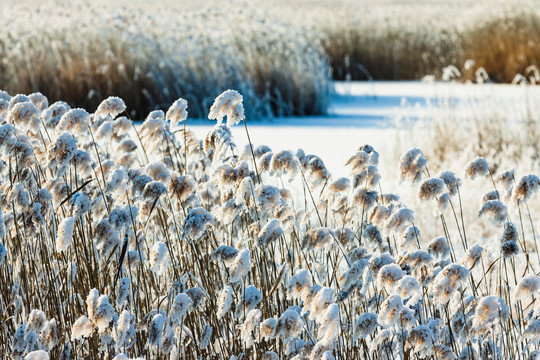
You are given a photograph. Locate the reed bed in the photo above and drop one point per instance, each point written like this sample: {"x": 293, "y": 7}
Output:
{"x": 123, "y": 241}
{"x": 280, "y": 55}
{"x": 81, "y": 53}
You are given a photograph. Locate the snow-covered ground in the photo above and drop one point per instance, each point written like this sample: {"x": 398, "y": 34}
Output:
{"x": 366, "y": 112}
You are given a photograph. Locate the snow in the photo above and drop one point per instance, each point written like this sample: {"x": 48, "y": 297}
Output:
{"x": 362, "y": 113}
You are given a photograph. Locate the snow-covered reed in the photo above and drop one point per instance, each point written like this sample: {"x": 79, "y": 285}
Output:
{"x": 124, "y": 241}
{"x": 151, "y": 54}
{"x": 279, "y": 55}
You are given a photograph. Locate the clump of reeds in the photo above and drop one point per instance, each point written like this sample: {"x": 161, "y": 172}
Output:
{"x": 189, "y": 250}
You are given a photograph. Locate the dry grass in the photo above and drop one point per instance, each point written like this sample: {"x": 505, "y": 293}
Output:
{"x": 364, "y": 251}
{"x": 382, "y": 43}
{"x": 391, "y": 53}
{"x": 281, "y": 57}
{"x": 280, "y": 68}
{"x": 504, "y": 46}
{"x": 504, "y": 130}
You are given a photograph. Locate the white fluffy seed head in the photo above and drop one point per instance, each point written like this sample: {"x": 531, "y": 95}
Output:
{"x": 489, "y": 311}
{"x": 75, "y": 120}
{"x": 26, "y": 115}
{"x": 451, "y": 181}
{"x": 268, "y": 328}
{"x": 224, "y": 301}
{"x": 477, "y": 168}
{"x": 122, "y": 291}
{"x": 472, "y": 256}
{"x": 240, "y": 266}
{"x": 389, "y": 275}
{"x": 49, "y": 335}
{"x": 159, "y": 260}
{"x": 81, "y": 328}
{"x": 206, "y": 335}
{"x": 398, "y": 221}
{"x": 365, "y": 325}
{"x": 525, "y": 188}
{"x": 155, "y": 329}
{"x": 527, "y": 286}
{"x": 495, "y": 209}
{"x": 253, "y": 318}
{"x": 111, "y": 106}
{"x": 65, "y": 233}
{"x": 288, "y": 325}
{"x": 181, "y": 305}
{"x": 92, "y": 304}
{"x": 390, "y": 310}
{"x": 430, "y": 189}
{"x": 104, "y": 313}
{"x": 177, "y": 113}
{"x": 37, "y": 355}
{"x": 36, "y": 321}
{"x": 412, "y": 165}
{"x": 229, "y": 104}
{"x": 270, "y": 232}
{"x": 299, "y": 284}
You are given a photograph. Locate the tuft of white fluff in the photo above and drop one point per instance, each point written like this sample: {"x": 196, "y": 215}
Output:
{"x": 81, "y": 328}
{"x": 389, "y": 275}
{"x": 92, "y": 303}
{"x": 478, "y": 167}
{"x": 177, "y": 113}
{"x": 73, "y": 120}
{"x": 39, "y": 100}
{"x": 49, "y": 335}
{"x": 412, "y": 165}
{"x": 229, "y": 104}
{"x": 155, "y": 328}
{"x": 525, "y": 187}
{"x": 159, "y": 261}
{"x": 249, "y": 300}
{"x": 322, "y": 299}
{"x": 111, "y": 106}
{"x": 288, "y": 325}
{"x": 270, "y": 232}
{"x": 430, "y": 189}
{"x": 65, "y": 233}
{"x": 398, "y": 221}
{"x": 299, "y": 284}
{"x": 36, "y": 321}
{"x": 240, "y": 266}
{"x": 123, "y": 291}
{"x": 196, "y": 222}
{"x": 206, "y": 335}
{"x": 181, "y": 305}
{"x": 365, "y": 325}
{"x": 329, "y": 322}
{"x": 489, "y": 311}
{"x": 224, "y": 301}
{"x": 253, "y": 318}
{"x": 125, "y": 331}
{"x": 267, "y": 328}
{"x": 37, "y": 355}
{"x": 25, "y": 115}
{"x": 104, "y": 313}
{"x": 390, "y": 310}
{"x": 115, "y": 180}
{"x": 527, "y": 286}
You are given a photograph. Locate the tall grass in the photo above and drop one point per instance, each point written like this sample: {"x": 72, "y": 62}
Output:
{"x": 503, "y": 128}
{"x": 123, "y": 241}
{"x": 281, "y": 56}
{"x": 152, "y": 56}
{"x": 505, "y": 46}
